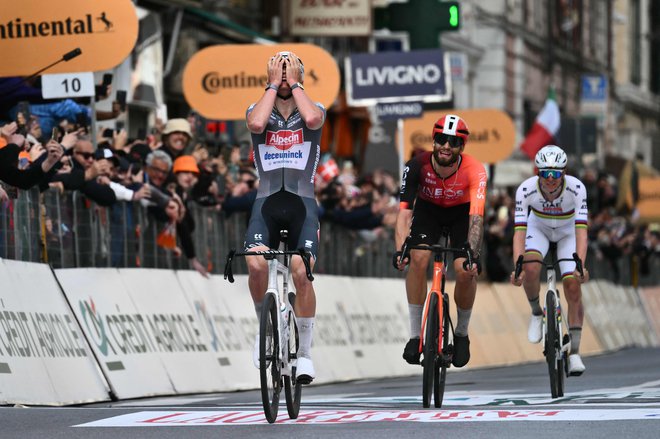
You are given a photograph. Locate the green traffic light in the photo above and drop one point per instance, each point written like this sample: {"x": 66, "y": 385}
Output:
{"x": 453, "y": 16}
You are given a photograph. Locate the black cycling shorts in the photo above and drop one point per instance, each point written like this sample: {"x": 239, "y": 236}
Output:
{"x": 429, "y": 219}
{"x": 284, "y": 210}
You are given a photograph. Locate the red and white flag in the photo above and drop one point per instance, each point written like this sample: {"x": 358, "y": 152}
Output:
{"x": 545, "y": 128}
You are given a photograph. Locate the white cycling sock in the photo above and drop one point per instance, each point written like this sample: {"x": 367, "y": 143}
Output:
{"x": 576, "y": 336}
{"x": 305, "y": 329}
{"x": 258, "y": 307}
{"x": 415, "y": 317}
{"x": 463, "y": 321}
{"x": 536, "y": 306}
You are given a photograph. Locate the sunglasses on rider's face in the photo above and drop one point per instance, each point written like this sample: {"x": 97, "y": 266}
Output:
{"x": 454, "y": 141}
{"x": 554, "y": 173}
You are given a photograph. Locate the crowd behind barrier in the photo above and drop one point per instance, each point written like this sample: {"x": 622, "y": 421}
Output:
{"x": 75, "y": 232}
{"x": 175, "y": 199}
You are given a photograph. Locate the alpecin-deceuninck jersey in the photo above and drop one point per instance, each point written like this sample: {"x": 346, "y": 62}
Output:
{"x": 286, "y": 154}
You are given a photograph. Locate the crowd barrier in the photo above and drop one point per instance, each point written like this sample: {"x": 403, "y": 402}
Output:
{"x": 72, "y": 336}
{"x": 66, "y": 230}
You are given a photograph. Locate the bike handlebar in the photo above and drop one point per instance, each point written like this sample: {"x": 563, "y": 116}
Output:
{"x": 268, "y": 254}
{"x": 521, "y": 261}
{"x": 439, "y": 249}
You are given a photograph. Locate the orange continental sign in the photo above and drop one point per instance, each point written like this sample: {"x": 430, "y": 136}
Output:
{"x": 36, "y": 33}
{"x": 492, "y": 133}
{"x": 220, "y": 82}
{"x": 648, "y": 205}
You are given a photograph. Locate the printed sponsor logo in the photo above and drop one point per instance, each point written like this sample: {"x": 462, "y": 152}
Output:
{"x": 447, "y": 194}
{"x": 284, "y": 139}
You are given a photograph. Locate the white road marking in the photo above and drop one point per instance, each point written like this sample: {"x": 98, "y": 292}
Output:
{"x": 215, "y": 418}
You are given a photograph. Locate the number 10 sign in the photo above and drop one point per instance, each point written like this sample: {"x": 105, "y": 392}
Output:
{"x": 67, "y": 85}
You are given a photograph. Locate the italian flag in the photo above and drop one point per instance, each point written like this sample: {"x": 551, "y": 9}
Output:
{"x": 545, "y": 128}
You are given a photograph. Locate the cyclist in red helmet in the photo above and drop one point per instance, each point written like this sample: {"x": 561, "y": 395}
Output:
{"x": 443, "y": 188}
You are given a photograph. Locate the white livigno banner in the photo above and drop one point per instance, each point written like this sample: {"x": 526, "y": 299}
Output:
{"x": 44, "y": 358}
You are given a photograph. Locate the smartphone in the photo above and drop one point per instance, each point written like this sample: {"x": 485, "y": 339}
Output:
{"x": 107, "y": 79}
{"x": 119, "y": 125}
{"x": 55, "y": 134}
{"x": 121, "y": 98}
{"x": 109, "y": 133}
{"x": 102, "y": 90}
{"x": 23, "y": 117}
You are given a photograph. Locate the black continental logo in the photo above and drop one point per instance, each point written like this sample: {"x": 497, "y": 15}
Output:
{"x": 212, "y": 82}
{"x": 18, "y": 28}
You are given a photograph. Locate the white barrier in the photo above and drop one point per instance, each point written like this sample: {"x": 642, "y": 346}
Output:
{"x": 158, "y": 332}
{"x": 44, "y": 358}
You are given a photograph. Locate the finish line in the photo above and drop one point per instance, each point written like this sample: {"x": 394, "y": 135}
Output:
{"x": 333, "y": 417}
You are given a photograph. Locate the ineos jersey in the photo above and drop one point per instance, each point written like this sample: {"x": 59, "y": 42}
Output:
{"x": 570, "y": 207}
{"x": 466, "y": 185}
{"x": 286, "y": 154}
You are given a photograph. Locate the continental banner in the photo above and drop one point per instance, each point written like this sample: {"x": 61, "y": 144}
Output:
{"x": 44, "y": 359}
{"x": 492, "y": 133}
{"x": 36, "y": 33}
{"x": 220, "y": 82}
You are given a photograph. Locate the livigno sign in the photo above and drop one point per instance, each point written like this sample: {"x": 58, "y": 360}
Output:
{"x": 35, "y": 33}
{"x": 220, "y": 82}
{"x": 388, "y": 77}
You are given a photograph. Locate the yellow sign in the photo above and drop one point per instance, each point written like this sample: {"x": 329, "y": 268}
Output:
{"x": 36, "y": 33}
{"x": 220, "y": 82}
{"x": 492, "y": 133}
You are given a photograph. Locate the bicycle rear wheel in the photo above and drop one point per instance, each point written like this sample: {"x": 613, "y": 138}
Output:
{"x": 443, "y": 361}
{"x": 552, "y": 344}
{"x": 269, "y": 364}
{"x": 292, "y": 388}
{"x": 430, "y": 350}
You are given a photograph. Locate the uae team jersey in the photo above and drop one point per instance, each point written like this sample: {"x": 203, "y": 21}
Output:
{"x": 286, "y": 154}
{"x": 569, "y": 208}
{"x": 466, "y": 185}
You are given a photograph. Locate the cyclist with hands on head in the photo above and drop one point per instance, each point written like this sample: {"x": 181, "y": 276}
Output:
{"x": 286, "y": 131}
{"x": 552, "y": 207}
{"x": 442, "y": 188}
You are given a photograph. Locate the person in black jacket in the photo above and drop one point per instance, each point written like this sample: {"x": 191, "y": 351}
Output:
{"x": 84, "y": 160}
{"x": 13, "y": 144}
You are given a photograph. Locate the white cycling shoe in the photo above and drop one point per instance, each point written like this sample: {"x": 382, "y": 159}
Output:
{"x": 575, "y": 365}
{"x": 535, "y": 330}
{"x": 255, "y": 352}
{"x": 305, "y": 372}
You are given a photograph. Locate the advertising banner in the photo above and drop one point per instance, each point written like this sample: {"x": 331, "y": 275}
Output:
{"x": 228, "y": 321}
{"x": 127, "y": 343}
{"x": 386, "y": 77}
{"x": 492, "y": 133}
{"x": 334, "y": 18}
{"x": 36, "y": 33}
{"x": 44, "y": 359}
{"x": 220, "y": 82}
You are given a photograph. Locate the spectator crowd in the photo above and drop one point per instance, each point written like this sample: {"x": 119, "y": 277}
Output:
{"x": 170, "y": 171}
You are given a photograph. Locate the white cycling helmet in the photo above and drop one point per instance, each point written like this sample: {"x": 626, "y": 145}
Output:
{"x": 551, "y": 157}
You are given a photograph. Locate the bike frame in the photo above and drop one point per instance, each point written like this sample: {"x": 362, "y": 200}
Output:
{"x": 552, "y": 289}
{"x": 437, "y": 287}
{"x": 278, "y": 268}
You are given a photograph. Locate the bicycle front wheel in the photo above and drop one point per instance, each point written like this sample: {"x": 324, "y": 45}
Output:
{"x": 269, "y": 364}
{"x": 292, "y": 388}
{"x": 443, "y": 361}
{"x": 430, "y": 349}
{"x": 552, "y": 344}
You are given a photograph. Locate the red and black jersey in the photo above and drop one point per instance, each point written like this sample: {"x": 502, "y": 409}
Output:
{"x": 466, "y": 185}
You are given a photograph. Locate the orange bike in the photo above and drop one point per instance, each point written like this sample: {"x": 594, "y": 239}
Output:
{"x": 434, "y": 342}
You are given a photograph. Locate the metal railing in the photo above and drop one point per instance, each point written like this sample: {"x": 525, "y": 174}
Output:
{"x": 67, "y": 230}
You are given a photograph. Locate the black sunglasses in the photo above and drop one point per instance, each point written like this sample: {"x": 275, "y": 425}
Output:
{"x": 86, "y": 155}
{"x": 454, "y": 141}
